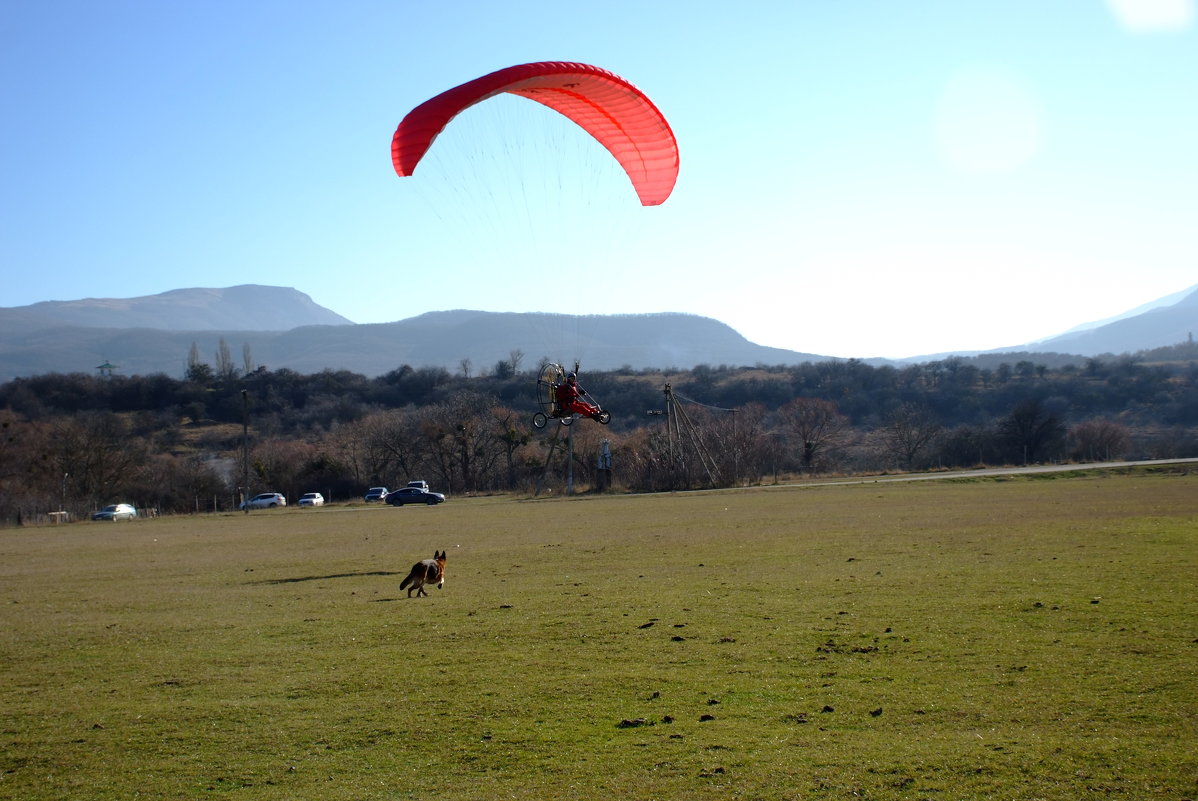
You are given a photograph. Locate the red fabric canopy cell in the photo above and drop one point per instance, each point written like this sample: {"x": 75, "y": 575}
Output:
{"x": 617, "y": 114}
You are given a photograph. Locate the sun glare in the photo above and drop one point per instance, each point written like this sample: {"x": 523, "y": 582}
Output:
{"x": 987, "y": 122}
{"x": 1147, "y": 16}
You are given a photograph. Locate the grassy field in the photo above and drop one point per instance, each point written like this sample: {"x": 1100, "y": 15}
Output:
{"x": 989, "y": 639}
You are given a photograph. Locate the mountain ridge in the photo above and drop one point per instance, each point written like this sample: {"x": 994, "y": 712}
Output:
{"x": 434, "y": 339}
{"x": 1159, "y": 325}
{"x": 251, "y": 307}
{"x": 1168, "y": 300}
{"x": 79, "y": 336}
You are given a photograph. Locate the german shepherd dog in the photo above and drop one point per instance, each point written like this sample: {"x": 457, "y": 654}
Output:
{"x": 426, "y": 571}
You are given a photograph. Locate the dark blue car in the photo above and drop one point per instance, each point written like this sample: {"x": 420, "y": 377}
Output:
{"x": 414, "y": 495}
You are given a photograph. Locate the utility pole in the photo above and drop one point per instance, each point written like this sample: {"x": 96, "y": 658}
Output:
{"x": 245, "y": 450}
{"x": 604, "y": 466}
{"x": 570, "y": 462}
{"x": 678, "y": 426}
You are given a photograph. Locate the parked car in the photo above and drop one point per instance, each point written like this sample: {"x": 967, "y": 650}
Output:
{"x": 376, "y": 494}
{"x": 414, "y": 495}
{"x": 311, "y": 499}
{"x": 116, "y": 511}
{"x": 420, "y": 485}
{"x": 267, "y": 500}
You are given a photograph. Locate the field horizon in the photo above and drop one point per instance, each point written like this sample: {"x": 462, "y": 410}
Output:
{"x": 993, "y": 637}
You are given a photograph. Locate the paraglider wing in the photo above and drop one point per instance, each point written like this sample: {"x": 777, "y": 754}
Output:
{"x": 617, "y": 114}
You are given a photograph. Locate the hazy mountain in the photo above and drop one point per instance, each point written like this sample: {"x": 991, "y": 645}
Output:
{"x": 1167, "y": 300}
{"x": 1157, "y": 326}
{"x": 440, "y": 339}
{"x": 1170, "y": 320}
{"x": 284, "y": 328}
{"x": 246, "y": 308}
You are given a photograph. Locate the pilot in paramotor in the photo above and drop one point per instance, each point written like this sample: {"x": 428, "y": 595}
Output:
{"x": 561, "y": 398}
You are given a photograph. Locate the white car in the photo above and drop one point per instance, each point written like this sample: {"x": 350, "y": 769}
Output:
{"x": 267, "y": 500}
{"x": 311, "y": 499}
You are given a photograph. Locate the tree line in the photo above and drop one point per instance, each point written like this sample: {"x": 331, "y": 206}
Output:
{"x": 77, "y": 442}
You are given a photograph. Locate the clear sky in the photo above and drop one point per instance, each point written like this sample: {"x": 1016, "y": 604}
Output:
{"x": 858, "y": 178}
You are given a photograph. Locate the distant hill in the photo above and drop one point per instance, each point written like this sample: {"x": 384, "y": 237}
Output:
{"x": 437, "y": 339}
{"x": 1170, "y": 320}
{"x": 1167, "y": 300}
{"x": 1157, "y": 326}
{"x": 284, "y": 328}
{"x": 241, "y": 308}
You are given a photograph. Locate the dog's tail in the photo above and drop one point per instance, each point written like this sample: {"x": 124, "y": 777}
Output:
{"x": 403, "y": 585}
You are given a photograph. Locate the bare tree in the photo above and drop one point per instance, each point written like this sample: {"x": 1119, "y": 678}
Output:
{"x": 197, "y": 370}
{"x": 908, "y": 431}
{"x": 511, "y": 438}
{"x": 743, "y": 441}
{"x": 277, "y": 463}
{"x": 1031, "y": 430}
{"x": 966, "y": 446}
{"x": 1100, "y": 439}
{"x": 30, "y": 481}
{"x": 460, "y": 442}
{"x": 98, "y": 452}
{"x": 816, "y": 427}
{"x": 180, "y": 483}
{"x": 224, "y": 361}
{"x": 247, "y": 360}
{"x": 736, "y": 441}
{"x": 393, "y": 448}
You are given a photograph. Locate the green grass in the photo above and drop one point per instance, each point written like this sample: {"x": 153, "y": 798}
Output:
{"x": 1008, "y": 639}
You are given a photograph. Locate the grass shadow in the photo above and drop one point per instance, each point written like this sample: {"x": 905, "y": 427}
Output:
{"x": 299, "y": 579}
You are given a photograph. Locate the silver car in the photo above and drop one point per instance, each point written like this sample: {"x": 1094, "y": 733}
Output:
{"x": 267, "y": 500}
{"x": 116, "y": 511}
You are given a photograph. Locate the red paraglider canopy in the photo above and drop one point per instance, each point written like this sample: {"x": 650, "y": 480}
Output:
{"x": 608, "y": 107}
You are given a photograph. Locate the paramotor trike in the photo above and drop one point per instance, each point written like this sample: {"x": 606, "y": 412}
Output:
{"x": 552, "y": 397}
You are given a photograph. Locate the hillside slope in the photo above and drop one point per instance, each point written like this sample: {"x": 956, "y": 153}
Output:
{"x": 436, "y": 339}
{"x": 249, "y": 307}
{"x": 1154, "y": 328}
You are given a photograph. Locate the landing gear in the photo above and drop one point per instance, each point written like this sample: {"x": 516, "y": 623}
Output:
{"x": 540, "y": 419}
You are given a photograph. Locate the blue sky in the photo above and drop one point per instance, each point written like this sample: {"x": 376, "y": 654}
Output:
{"x": 857, "y": 178}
